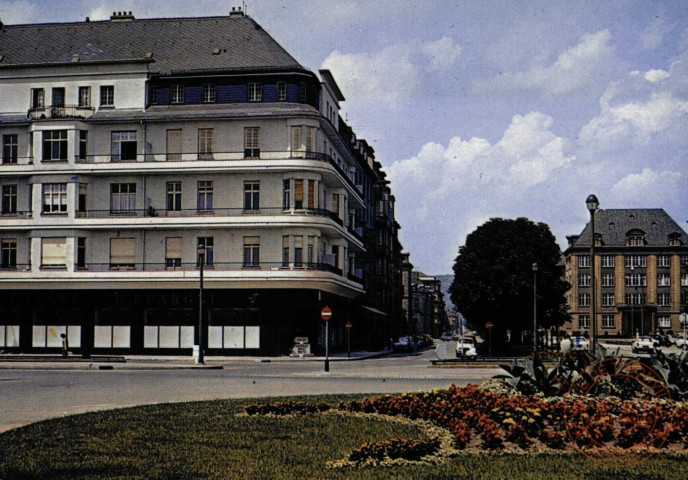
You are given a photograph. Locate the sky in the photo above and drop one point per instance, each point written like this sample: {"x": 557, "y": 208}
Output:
{"x": 482, "y": 109}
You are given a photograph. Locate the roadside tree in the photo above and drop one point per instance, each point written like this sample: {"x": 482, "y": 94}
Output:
{"x": 493, "y": 278}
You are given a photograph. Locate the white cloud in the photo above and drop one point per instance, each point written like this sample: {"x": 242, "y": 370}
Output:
{"x": 472, "y": 179}
{"x": 18, "y": 11}
{"x": 443, "y": 53}
{"x": 636, "y": 120}
{"x": 573, "y": 69}
{"x": 388, "y": 75}
{"x": 654, "y": 76}
{"x": 647, "y": 189}
{"x": 392, "y": 74}
{"x": 653, "y": 35}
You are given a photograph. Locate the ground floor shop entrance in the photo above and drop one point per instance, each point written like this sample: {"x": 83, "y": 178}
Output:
{"x": 157, "y": 322}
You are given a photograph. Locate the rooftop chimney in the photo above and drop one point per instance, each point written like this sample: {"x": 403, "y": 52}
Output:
{"x": 121, "y": 17}
{"x": 236, "y": 12}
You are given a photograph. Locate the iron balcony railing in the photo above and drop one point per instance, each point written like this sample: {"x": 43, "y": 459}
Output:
{"x": 18, "y": 215}
{"x": 9, "y": 160}
{"x": 53, "y": 112}
{"x": 217, "y": 156}
{"x": 216, "y": 212}
{"x": 15, "y": 267}
{"x": 172, "y": 265}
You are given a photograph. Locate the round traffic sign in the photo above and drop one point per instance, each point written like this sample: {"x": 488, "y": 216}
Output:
{"x": 348, "y": 325}
{"x": 489, "y": 325}
{"x": 326, "y": 313}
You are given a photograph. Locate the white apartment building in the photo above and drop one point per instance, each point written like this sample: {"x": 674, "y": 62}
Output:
{"x": 128, "y": 143}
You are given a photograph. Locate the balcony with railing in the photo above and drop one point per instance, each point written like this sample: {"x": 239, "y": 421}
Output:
{"x": 17, "y": 215}
{"x": 171, "y": 157}
{"x": 60, "y": 112}
{"x": 209, "y": 212}
{"x": 173, "y": 265}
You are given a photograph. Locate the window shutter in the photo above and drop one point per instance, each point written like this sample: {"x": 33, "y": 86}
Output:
{"x": 54, "y": 251}
{"x": 296, "y": 139}
{"x": 310, "y": 139}
{"x": 122, "y": 251}
{"x": 173, "y": 247}
{"x": 298, "y": 190}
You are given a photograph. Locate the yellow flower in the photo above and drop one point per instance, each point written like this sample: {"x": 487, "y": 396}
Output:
{"x": 509, "y": 421}
{"x": 530, "y": 420}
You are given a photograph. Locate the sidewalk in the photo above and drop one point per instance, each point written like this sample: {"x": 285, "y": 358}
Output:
{"x": 146, "y": 362}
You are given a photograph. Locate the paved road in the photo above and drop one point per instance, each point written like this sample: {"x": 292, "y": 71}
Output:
{"x": 28, "y": 396}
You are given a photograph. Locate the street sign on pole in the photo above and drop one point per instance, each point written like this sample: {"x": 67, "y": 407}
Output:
{"x": 348, "y": 339}
{"x": 489, "y": 325}
{"x": 326, "y": 314}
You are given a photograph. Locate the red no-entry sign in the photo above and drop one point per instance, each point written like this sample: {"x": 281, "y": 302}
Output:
{"x": 326, "y": 313}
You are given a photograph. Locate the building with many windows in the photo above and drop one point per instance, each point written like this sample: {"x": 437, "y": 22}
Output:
{"x": 641, "y": 273}
{"x": 429, "y": 313}
{"x": 128, "y": 143}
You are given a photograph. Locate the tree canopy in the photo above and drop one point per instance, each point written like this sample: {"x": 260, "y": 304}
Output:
{"x": 493, "y": 276}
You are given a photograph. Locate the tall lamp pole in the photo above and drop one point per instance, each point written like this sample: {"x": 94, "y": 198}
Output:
{"x": 593, "y": 204}
{"x": 201, "y": 261}
{"x": 535, "y": 269}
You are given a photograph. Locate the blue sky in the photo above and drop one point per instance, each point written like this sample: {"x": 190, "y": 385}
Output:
{"x": 486, "y": 109}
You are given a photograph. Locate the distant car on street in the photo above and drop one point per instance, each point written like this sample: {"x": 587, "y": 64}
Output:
{"x": 645, "y": 344}
{"x": 448, "y": 337}
{"x": 662, "y": 339}
{"x": 404, "y": 344}
{"x": 465, "y": 348}
{"x": 580, "y": 343}
{"x": 678, "y": 339}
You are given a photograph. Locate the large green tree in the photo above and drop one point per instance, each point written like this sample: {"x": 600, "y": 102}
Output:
{"x": 493, "y": 277}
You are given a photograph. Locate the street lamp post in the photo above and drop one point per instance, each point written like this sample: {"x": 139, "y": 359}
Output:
{"x": 535, "y": 269}
{"x": 201, "y": 261}
{"x": 592, "y": 204}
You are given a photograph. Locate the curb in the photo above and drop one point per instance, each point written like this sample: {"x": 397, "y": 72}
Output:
{"x": 16, "y": 362}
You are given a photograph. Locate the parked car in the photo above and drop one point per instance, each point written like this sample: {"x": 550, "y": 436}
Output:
{"x": 424, "y": 340}
{"x": 465, "y": 348}
{"x": 644, "y": 344}
{"x": 404, "y": 344}
{"x": 448, "y": 337}
{"x": 662, "y": 339}
{"x": 678, "y": 339}
{"x": 580, "y": 343}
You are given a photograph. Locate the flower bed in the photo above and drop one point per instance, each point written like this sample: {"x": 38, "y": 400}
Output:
{"x": 482, "y": 420}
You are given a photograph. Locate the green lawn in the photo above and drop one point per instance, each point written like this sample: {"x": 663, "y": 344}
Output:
{"x": 207, "y": 440}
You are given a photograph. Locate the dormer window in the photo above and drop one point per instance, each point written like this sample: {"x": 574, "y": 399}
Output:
{"x": 635, "y": 238}
{"x": 177, "y": 94}
{"x": 675, "y": 240}
{"x": 208, "y": 93}
{"x": 598, "y": 240}
{"x": 255, "y": 92}
{"x": 281, "y": 91}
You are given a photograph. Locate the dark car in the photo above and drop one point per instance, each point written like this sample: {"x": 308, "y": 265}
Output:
{"x": 662, "y": 339}
{"x": 404, "y": 344}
